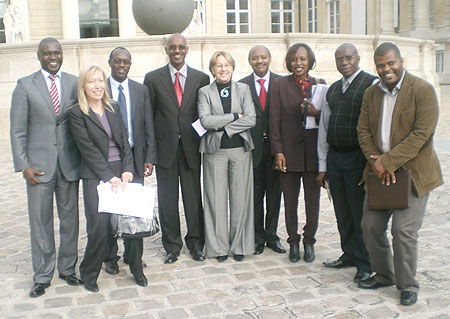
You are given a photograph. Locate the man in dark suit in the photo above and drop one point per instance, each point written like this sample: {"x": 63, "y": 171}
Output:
{"x": 134, "y": 103}
{"x": 266, "y": 179}
{"x": 44, "y": 151}
{"x": 341, "y": 159}
{"x": 173, "y": 93}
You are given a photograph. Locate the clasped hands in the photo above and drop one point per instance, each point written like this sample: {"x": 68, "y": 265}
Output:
{"x": 312, "y": 111}
{"x": 381, "y": 172}
{"x": 120, "y": 182}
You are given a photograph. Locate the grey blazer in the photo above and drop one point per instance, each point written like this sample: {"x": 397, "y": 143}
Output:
{"x": 39, "y": 138}
{"x": 213, "y": 118}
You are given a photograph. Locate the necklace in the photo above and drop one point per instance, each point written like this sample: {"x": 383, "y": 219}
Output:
{"x": 225, "y": 92}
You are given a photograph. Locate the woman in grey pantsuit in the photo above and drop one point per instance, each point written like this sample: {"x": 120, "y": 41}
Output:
{"x": 226, "y": 110}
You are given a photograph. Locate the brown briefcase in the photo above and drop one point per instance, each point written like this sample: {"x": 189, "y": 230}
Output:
{"x": 394, "y": 196}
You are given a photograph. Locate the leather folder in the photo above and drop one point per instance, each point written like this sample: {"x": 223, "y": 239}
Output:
{"x": 394, "y": 196}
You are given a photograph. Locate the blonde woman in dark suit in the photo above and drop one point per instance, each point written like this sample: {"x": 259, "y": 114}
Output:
{"x": 102, "y": 139}
{"x": 226, "y": 110}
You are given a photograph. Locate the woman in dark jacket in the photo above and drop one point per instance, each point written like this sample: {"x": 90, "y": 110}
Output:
{"x": 102, "y": 139}
{"x": 293, "y": 135}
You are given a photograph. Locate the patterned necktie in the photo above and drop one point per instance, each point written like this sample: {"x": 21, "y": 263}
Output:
{"x": 178, "y": 89}
{"x": 123, "y": 106}
{"x": 262, "y": 94}
{"x": 54, "y": 94}
{"x": 345, "y": 85}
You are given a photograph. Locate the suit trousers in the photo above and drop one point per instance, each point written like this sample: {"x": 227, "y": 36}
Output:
{"x": 168, "y": 180}
{"x": 99, "y": 232}
{"x": 290, "y": 185}
{"x": 266, "y": 182}
{"x": 344, "y": 172}
{"x": 40, "y": 213}
{"x": 227, "y": 175}
{"x": 401, "y": 268}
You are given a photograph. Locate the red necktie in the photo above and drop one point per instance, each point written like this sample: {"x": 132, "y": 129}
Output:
{"x": 178, "y": 89}
{"x": 54, "y": 94}
{"x": 262, "y": 94}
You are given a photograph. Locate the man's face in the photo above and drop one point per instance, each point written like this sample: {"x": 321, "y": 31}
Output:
{"x": 347, "y": 60}
{"x": 260, "y": 61}
{"x": 177, "y": 49}
{"x": 389, "y": 68}
{"x": 120, "y": 64}
{"x": 50, "y": 55}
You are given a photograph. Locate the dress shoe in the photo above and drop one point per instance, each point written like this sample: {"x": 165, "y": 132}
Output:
{"x": 371, "y": 283}
{"x": 111, "y": 267}
{"x": 125, "y": 261}
{"x": 361, "y": 275}
{"x": 276, "y": 247}
{"x": 238, "y": 257}
{"x": 339, "y": 263}
{"x": 39, "y": 289}
{"x": 71, "y": 280}
{"x": 408, "y": 298}
{"x": 259, "y": 249}
{"x": 91, "y": 287}
{"x": 309, "y": 255}
{"x": 141, "y": 281}
{"x": 197, "y": 255}
{"x": 294, "y": 253}
{"x": 171, "y": 258}
{"x": 221, "y": 259}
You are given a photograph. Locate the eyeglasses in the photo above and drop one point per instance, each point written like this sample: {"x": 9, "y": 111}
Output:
{"x": 119, "y": 61}
{"x": 223, "y": 66}
{"x": 174, "y": 47}
{"x": 347, "y": 58}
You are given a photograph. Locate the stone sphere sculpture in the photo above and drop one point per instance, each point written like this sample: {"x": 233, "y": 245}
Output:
{"x": 163, "y": 16}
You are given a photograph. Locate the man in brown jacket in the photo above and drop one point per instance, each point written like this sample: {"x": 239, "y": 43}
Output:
{"x": 395, "y": 130}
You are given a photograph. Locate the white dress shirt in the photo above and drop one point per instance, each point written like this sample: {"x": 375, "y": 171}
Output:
{"x": 183, "y": 74}
{"x": 266, "y": 79}
{"x": 115, "y": 96}
{"x": 48, "y": 81}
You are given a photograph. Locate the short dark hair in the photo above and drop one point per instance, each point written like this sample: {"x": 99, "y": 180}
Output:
{"x": 385, "y": 48}
{"x": 48, "y": 39}
{"x": 293, "y": 50}
{"x": 118, "y": 48}
{"x": 260, "y": 47}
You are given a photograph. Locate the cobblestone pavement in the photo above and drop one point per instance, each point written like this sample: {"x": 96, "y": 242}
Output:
{"x": 264, "y": 286}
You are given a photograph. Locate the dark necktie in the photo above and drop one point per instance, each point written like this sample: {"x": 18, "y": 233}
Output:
{"x": 178, "y": 89}
{"x": 123, "y": 106}
{"x": 262, "y": 94}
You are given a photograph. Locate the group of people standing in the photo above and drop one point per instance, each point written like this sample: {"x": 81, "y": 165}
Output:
{"x": 264, "y": 136}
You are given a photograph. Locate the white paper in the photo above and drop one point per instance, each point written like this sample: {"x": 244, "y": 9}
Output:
{"x": 319, "y": 95}
{"x": 198, "y": 127}
{"x": 136, "y": 200}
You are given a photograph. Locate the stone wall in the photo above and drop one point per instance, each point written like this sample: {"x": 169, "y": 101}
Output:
{"x": 148, "y": 54}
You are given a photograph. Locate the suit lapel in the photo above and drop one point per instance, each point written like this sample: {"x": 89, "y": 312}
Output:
{"x": 133, "y": 95}
{"x": 251, "y": 84}
{"x": 166, "y": 79}
{"x": 62, "y": 95}
{"x": 235, "y": 103}
{"x": 188, "y": 87}
{"x": 91, "y": 115}
{"x": 42, "y": 88}
{"x": 215, "y": 99}
{"x": 403, "y": 93}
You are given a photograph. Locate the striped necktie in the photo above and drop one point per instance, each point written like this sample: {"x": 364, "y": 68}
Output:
{"x": 54, "y": 94}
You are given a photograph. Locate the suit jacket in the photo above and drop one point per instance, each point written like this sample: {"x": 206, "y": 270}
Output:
{"x": 171, "y": 121}
{"x": 414, "y": 121}
{"x": 39, "y": 138}
{"x": 262, "y": 117}
{"x": 93, "y": 142}
{"x": 213, "y": 118}
{"x": 287, "y": 135}
{"x": 144, "y": 148}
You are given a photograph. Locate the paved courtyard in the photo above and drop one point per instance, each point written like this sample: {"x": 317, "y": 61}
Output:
{"x": 264, "y": 286}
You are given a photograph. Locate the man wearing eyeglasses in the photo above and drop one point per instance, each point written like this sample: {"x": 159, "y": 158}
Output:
{"x": 173, "y": 93}
{"x": 134, "y": 104}
{"x": 341, "y": 160}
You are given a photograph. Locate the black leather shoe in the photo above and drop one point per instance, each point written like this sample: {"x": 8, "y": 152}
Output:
{"x": 361, "y": 276}
{"x": 221, "y": 259}
{"x": 171, "y": 258}
{"x": 259, "y": 249}
{"x": 38, "y": 289}
{"x": 141, "y": 281}
{"x": 309, "y": 255}
{"x": 294, "y": 253}
{"x": 238, "y": 257}
{"x": 71, "y": 280}
{"x": 91, "y": 287}
{"x": 197, "y": 255}
{"x": 111, "y": 267}
{"x": 371, "y": 283}
{"x": 125, "y": 261}
{"x": 408, "y": 298}
{"x": 276, "y": 247}
{"x": 339, "y": 263}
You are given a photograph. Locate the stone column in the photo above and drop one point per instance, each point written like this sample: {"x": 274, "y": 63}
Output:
{"x": 127, "y": 24}
{"x": 423, "y": 15}
{"x": 70, "y": 19}
{"x": 387, "y": 13}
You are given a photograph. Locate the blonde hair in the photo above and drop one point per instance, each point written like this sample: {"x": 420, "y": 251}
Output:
{"x": 226, "y": 55}
{"x": 85, "y": 76}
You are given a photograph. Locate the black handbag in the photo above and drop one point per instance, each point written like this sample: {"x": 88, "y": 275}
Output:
{"x": 134, "y": 227}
